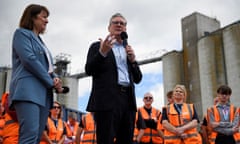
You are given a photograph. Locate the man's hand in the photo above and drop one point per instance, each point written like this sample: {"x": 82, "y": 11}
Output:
{"x": 235, "y": 129}
{"x": 130, "y": 53}
{"x": 63, "y": 90}
{"x": 179, "y": 131}
{"x": 214, "y": 124}
{"x": 57, "y": 84}
{"x": 107, "y": 44}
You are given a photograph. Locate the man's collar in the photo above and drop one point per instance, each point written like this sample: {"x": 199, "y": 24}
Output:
{"x": 222, "y": 105}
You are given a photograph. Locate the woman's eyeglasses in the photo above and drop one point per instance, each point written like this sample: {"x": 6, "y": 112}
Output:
{"x": 56, "y": 107}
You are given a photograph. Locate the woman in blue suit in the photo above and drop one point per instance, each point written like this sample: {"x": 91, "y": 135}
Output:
{"x": 32, "y": 78}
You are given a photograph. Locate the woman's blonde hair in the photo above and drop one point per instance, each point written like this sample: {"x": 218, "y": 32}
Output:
{"x": 60, "y": 113}
{"x": 183, "y": 88}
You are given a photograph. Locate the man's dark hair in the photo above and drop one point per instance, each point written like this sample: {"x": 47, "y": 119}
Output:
{"x": 170, "y": 94}
{"x": 224, "y": 89}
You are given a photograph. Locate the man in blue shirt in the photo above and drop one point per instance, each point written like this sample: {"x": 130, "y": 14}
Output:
{"x": 114, "y": 71}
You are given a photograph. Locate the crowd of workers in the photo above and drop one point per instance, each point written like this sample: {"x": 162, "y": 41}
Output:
{"x": 113, "y": 114}
{"x": 176, "y": 123}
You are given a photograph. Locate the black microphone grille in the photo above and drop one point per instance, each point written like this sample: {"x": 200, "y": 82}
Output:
{"x": 65, "y": 89}
{"x": 124, "y": 35}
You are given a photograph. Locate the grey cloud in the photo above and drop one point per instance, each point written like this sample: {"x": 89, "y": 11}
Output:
{"x": 74, "y": 24}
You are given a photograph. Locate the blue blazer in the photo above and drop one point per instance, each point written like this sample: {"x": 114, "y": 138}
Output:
{"x": 30, "y": 79}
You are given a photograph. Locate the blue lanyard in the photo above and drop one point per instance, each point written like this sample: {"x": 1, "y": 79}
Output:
{"x": 225, "y": 111}
{"x": 178, "y": 108}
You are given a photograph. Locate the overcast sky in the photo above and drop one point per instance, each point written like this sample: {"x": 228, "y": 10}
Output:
{"x": 154, "y": 26}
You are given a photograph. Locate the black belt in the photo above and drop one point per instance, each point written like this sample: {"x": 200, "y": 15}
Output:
{"x": 123, "y": 88}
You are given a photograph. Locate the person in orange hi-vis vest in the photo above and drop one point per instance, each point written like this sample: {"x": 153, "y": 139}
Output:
{"x": 170, "y": 97}
{"x": 86, "y": 133}
{"x": 10, "y": 130}
{"x": 170, "y": 100}
{"x": 180, "y": 120}
{"x": 71, "y": 128}
{"x": 224, "y": 119}
{"x": 205, "y": 126}
{"x": 2, "y": 121}
{"x": 139, "y": 128}
{"x": 55, "y": 130}
{"x": 151, "y": 117}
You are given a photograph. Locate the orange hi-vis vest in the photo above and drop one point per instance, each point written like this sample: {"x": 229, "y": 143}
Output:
{"x": 160, "y": 126}
{"x": 54, "y": 133}
{"x": 10, "y": 112}
{"x": 89, "y": 136}
{"x": 151, "y": 134}
{"x": 10, "y": 130}
{"x": 178, "y": 120}
{"x": 71, "y": 133}
{"x": 217, "y": 117}
{"x": 135, "y": 132}
{"x": 209, "y": 128}
{"x": 2, "y": 122}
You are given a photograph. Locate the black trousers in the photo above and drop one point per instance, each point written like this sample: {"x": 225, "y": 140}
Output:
{"x": 224, "y": 139}
{"x": 118, "y": 123}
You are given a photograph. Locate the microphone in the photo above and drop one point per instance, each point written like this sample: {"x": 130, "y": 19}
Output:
{"x": 124, "y": 37}
{"x": 65, "y": 90}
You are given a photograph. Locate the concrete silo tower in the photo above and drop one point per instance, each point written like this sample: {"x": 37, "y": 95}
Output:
{"x": 211, "y": 66}
{"x": 172, "y": 71}
{"x": 231, "y": 41}
{"x": 194, "y": 27}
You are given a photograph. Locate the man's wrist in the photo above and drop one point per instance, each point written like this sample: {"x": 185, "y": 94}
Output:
{"x": 102, "y": 53}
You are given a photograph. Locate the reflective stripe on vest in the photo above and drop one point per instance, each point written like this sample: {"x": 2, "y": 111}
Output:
{"x": 89, "y": 135}
{"x": 178, "y": 137}
{"x": 9, "y": 122}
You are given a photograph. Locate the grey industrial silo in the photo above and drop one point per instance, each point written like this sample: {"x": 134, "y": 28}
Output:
{"x": 194, "y": 27}
{"x": 231, "y": 41}
{"x": 211, "y": 67}
{"x": 172, "y": 70}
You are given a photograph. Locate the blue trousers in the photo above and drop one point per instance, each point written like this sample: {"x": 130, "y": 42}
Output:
{"x": 32, "y": 119}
